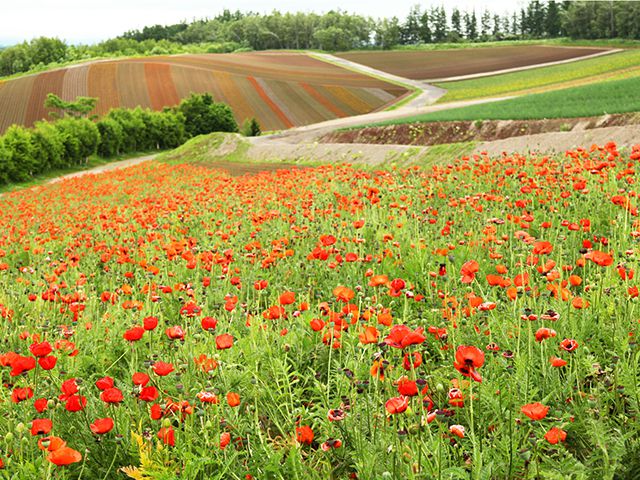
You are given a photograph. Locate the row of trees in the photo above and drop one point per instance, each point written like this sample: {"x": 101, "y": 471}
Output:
{"x": 343, "y": 31}
{"x": 73, "y": 138}
{"x": 338, "y": 31}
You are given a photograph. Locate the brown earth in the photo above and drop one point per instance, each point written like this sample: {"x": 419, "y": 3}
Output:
{"x": 438, "y": 64}
{"x": 435, "y": 133}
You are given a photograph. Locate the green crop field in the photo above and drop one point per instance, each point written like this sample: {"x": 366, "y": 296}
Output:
{"x": 617, "y": 96}
{"x": 615, "y": 66}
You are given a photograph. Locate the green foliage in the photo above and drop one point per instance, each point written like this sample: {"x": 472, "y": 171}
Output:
{"x": 48, "y": 147}
{"x": 79, "y": 108}
{"x": 250, "y": 128}
{"x": 111, "y": 137}
{"x": 203, "y": 115}
{"x": 21, "y": 162}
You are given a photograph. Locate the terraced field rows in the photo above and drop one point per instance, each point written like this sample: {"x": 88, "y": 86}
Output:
{"x": 280, "y": 90}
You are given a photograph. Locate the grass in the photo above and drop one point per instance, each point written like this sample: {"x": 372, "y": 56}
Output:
{"x": 592, "y": 70}
{"x": 617, "y": 96}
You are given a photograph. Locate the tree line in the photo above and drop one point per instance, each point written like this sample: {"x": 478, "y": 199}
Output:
{"x": 339, "y": 31}
{"x": 73, "y": 138}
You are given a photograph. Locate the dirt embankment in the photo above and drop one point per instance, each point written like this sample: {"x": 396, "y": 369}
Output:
{"x": 436, "y": 133}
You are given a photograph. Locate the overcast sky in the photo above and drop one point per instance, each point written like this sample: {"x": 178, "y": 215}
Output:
{"x": 88, "y": 21}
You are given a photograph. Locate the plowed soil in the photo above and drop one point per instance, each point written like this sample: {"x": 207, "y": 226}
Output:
{"x": 281, "y": 90}
{"x": 438, "y": 64}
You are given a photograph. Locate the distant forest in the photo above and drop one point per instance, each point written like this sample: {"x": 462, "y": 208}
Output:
{"x": 340, "y": 31}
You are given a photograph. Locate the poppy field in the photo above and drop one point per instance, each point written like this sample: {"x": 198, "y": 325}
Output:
{"x": 474, "y": 319}
{"x": 281, "y": 90}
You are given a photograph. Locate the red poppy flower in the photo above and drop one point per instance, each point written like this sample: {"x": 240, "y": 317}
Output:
{"x": 20, "y": 364}
{"x": 331, "y": 443}
{"x": 396, "y": 405}
{"x": 162, "y": 368}
{"x": 112, "y": 395}
{"x": 41, "y": 404}
{"x": 40, "y": 349}
{"x": 75, "y": 403}
{"x": 369, "y": 335}
{"x": 411, "y": 360}
{"x": 402, "y": 336}
{"x": 343, "y": 294}
{"x": 304, "y": 435}
{"x": 47, "y": 363}
{"x": 224, "y": 341}
{"x": 599, "y": 258}
{"x": 468, "y": 271}
{"x": 233, "y": 399}
{"x": 468, "y": 358}
{"x": 64, "y": 456}
{"x": 190, "y": 310}
{"x": 568, "y": 344}
{"x": 336, "y": 415}
{"x": 260, "y": 284}
{"x": 535, "y": 411}
{"x": 133, "y": 334}
{"x": 208, "y": 323}
{"x": 150, "y": 323}
{"x": 148, "y": 394}
{"x": 69, "y": 387}
{"x": 555, "y": 435}
{"x": 104, "y": 383}
{"x": 407, "y": 388}
{"x": 167, "y": 435}
{"x": 21, "y": 394}
{"x": 175, "y": 333}
{"x": 102, "y": 426}
{"x": 457, "y": 430}
{"x": 544, "y": 333}
{"x": 225, "y": 439}
{"x": 287, "y": 298}
{"x": 140, "y": 378}
{"x": 41, "y": 426}
{"x": 557, "y": 362}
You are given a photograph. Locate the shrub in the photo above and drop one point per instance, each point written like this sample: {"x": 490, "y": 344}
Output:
{"x": 48, "y": 147}
{"x": 21, "y": 164}
{"x": 203, "y": 115}
{"x": 251, "y": 128}
{"x": 111, "y": 137}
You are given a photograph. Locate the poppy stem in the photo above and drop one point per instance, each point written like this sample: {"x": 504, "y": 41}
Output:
{"x": 113, "y": 460}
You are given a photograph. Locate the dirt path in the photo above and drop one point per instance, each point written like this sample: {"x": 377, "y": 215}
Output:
{"x": 105, "y": 168}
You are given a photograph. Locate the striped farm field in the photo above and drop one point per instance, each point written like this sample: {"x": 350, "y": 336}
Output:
{"x": 281, "y": 90}
{"x": 441, "y": 64}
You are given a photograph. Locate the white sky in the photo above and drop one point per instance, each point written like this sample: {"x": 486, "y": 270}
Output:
{"x": 88, "y": 21}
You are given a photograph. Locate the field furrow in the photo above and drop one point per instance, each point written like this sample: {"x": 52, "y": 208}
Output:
{"x": 104, "y": 86}
{"x": 48, "y": 82}
{"x": 76, "y": 83}
{"x": 132, "y": 89}
{"x": 13, "y": 101}
{"x": 162, "y": 89}
{"x": 272, "y": 105}
{"x": 322, "y": 100}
